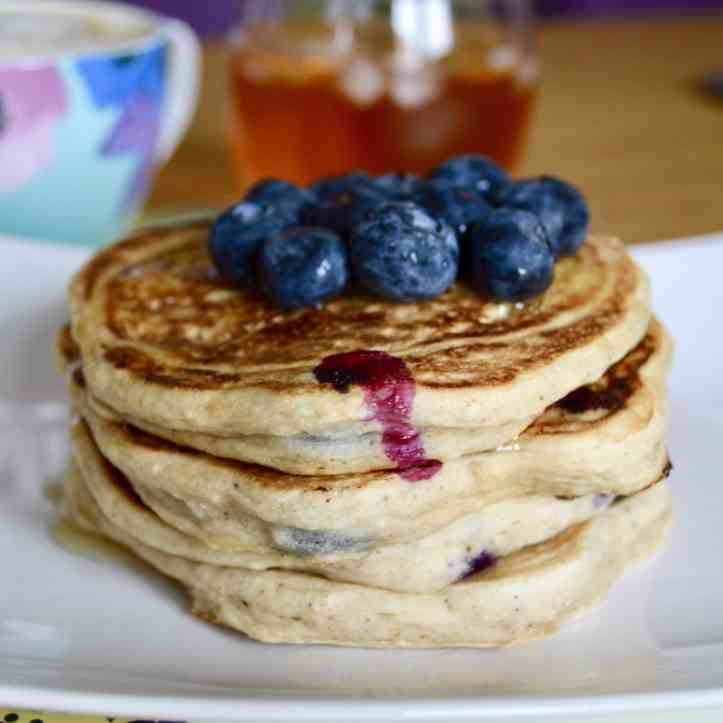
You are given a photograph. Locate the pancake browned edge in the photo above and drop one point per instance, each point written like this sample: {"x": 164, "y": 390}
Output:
{"x": 164, "y": 340}
{"x": 605, "y": 438}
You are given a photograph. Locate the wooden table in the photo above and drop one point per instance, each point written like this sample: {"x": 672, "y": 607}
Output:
{"x": 619, "y": 112}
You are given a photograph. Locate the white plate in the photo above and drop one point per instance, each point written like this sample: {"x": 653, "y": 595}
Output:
{"x": 79, "y": 635}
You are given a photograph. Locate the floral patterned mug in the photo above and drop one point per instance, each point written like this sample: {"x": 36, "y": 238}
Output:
{"x": 94, "y": 96}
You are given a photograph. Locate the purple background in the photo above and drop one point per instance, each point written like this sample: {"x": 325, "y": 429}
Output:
{"x": 211, "y": 17}
{"x": 597, "y": 8}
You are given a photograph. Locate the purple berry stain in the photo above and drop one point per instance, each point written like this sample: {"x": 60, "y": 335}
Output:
{"x": 389, "y": 389}
{"x": 479, "y": 562}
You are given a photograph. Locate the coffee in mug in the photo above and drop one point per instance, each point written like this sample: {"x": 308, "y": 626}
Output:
{"x": 94, "y": 96}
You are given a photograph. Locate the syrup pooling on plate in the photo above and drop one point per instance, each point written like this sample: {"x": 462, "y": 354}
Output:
{"x": 389, "y": 395}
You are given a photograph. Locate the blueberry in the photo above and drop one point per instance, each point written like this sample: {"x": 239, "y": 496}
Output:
{"x": 480, "y": 562}
{"x": 237, "y": 234}
{"x": 473, "y": 172}
{"x": 282, "y": 194}
{"x": 316, "y": 542}
{"x": 402, "y": 253}
{"x": 333, "y": 185}
{"x": 459, "y": 207}
{"x": 399, "y": 186}
{"x": 344, "y": 209}
{"x": 560, "y": 207}
{"x": 302, "y": 266}
{"x": 510, "y": 256}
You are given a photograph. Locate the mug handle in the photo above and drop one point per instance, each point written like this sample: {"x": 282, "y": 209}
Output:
{"x": 184, "y": 72}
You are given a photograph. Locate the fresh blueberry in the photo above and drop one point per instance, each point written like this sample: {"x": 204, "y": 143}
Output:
{"x": 399, "y": 186}
{"x": 459, "y": 207}
{"x": 560, "y": 207}
{"x": 343, "y": 210}
{"x": 510, "y": 257}
{"x": 282, "y": 194}
{"x": 402, "y": 253}
{"x": 473, "y": 172}
{"x": 334, "y": 185}
{"x": 302, "y": 266}
{"x": 237, "y": 234}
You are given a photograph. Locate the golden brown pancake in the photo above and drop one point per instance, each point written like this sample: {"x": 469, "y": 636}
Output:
{"x": 525, "y": 595}
{"x": 327, "y": 475}
{"x": 423, "y": 565}
{"x": 607, "y": 437}
{"x": 163, "y": 339}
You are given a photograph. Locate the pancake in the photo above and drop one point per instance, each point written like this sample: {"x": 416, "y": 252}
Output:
{"x": 524, "y": 596}
{"x": 303, "y": 454}
{"x": 425, "y": 565}
{"x": 164, "y": 340}
{"x": 605, "y": 438}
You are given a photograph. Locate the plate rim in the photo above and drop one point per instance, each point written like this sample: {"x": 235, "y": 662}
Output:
{"x": 287, "y": 706}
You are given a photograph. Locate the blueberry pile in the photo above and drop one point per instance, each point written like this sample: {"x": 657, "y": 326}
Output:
{"x": 399, "y": 236}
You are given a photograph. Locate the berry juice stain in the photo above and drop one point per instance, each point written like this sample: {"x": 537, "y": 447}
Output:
{"x": 389, "y": 395}
{"x": 483, "y": 561}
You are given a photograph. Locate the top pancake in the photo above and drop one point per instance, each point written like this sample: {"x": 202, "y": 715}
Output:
{"x": 164, "y": 339}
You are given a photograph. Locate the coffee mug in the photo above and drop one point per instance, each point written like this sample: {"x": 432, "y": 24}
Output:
{"x": 94, "y": 96}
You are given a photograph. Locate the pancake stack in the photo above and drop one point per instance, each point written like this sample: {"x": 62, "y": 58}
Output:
{"x": 453, "y": 472}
